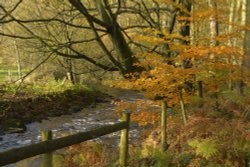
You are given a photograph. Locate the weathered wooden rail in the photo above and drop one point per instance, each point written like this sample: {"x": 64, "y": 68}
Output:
{"x": 50, "y": 145}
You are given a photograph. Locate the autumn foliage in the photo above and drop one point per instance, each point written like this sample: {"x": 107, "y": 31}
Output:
{"x": 215, "y": 133}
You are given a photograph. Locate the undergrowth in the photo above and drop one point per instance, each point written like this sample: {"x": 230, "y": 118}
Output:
{"x": 51, "y": 86}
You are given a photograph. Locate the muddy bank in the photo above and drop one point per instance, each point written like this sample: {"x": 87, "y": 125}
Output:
{"x": 17, "y": 112}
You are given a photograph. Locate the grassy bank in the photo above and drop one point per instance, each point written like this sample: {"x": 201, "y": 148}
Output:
{"x": 6, "y": 73}
{"x": 29, "y": 103}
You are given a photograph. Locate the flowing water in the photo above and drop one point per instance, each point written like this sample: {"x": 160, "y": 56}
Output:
{"x": 86, "y": 119}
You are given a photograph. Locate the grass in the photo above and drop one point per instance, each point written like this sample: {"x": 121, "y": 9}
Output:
{"x": 32, "y": 102}
{"x": 50, "y": 86}
{"x": 53, "y": 86}
{"x": 14, "y": 74}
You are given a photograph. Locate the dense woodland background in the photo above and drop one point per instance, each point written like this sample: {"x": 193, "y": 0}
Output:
{"x": 190, "y": 56}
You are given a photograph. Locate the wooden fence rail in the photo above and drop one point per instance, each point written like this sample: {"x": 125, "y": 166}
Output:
{"x": 18, "y": 154}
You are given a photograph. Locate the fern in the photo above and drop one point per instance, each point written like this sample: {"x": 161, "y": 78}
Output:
{"x": 205, "y": 147}
{"x": 235, "y": 98}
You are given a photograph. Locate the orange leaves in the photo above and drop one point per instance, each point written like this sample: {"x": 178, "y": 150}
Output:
{"x": 201, "y": 52}
{"x": 143, "y": 112}
{"x": 200, "y": 15}
{"x": 179, "y": 61}
{"x": 226, "y": 50}
{"x": 156, "y": 37}
{"x": 121, "y": 106}
{"x": 144, "y": 117}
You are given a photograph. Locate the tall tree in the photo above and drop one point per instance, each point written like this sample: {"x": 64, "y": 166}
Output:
{"x": 43, "y": 31}
{"x": 214, "y": 25}
{"x": 246, "y": 33}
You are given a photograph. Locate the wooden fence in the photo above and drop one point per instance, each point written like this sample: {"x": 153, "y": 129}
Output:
{"x": 49, "y": 145}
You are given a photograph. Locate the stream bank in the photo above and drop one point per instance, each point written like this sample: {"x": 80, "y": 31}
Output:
{"x": 91, "y": 116}
{"x": 15, "y": 114}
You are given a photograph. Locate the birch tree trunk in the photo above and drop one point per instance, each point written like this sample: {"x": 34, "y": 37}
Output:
{"x": 214, "y": 26}
{"x": 230, "y": 42}
{"x": 246, "y": 36}
{"x": 246, "y": 44}
{"x": 246, "y": 62}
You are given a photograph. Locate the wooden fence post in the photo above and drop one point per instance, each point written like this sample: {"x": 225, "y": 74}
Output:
{"x": 124, "y": 141}
{"x": 17, "y": 154}
{"x": 164, "y": 144}
{"x": 48, "y": 157}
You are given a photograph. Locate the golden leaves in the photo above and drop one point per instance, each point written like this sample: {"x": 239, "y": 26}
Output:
{"x": 144, "y": 117}
{"x": 143, "y": 112}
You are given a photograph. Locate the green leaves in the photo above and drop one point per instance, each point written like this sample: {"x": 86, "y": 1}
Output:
{"x": 204, "y": 147}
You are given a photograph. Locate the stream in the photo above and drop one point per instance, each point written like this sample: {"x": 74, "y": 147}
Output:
{"x": 86, "y": 119}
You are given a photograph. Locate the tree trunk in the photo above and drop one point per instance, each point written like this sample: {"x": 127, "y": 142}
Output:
{"x": 164, "y": 144}
{"x": 200, "y": 89}
{"x": 116, "y": 36}
{"x": 214, "y": 26}
{"x": 70, "y": 70}
{"x": 185, "y": 28}
{"x": 246, "y": 61}
{"x": 231, "y": 19}
{"x": 246, "y": 34}
{"x": 18, "y": 61}
{"x": 183, "y": 110}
